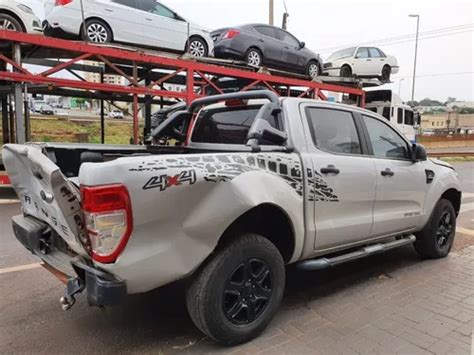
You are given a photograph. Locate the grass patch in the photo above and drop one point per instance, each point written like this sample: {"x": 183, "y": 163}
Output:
{"x": 458, "y": 159}
{"x": 71, "y": 132}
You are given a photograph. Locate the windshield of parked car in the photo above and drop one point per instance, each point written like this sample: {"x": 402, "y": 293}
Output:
{"x": 344, "y": 53}
{"x": 227, "y": 125}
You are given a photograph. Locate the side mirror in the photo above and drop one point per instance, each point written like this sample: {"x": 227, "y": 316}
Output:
{"x": 418, "y": 153}
{"x": 302, "y": 45}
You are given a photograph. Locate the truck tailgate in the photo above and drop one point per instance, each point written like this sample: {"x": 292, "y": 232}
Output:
{"x": 45, "y": 193}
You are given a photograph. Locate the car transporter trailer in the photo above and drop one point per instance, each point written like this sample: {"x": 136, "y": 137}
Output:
{"x": 152, "y": 77}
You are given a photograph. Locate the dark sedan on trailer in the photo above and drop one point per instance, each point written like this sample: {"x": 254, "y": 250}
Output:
{"x": 271, "y": 46}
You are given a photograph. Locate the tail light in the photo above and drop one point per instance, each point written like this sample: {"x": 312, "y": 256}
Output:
{"x": 231, "y": 34}
{"x": 109, "y": 222}
{"x": 62, "y": 2}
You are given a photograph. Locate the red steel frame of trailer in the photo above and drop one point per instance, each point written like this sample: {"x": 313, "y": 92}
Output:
{"x": 199, "y": 76}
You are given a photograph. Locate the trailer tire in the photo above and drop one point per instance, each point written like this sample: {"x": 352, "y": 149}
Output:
{"x": 437, "y": 238}
{"x": 233, "y": 297}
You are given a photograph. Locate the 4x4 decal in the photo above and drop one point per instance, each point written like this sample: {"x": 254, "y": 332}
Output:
{"x": 225, "y": 167}
{"x": 166, "y": 181}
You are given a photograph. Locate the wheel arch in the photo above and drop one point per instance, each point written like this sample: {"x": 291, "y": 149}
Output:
{"x": 98, "y": 19}
{"x": 453, "y": 196}
{"x": 15, "y": 16}
{"x": 198, "y": 36}
{"x": 268, "y": 220}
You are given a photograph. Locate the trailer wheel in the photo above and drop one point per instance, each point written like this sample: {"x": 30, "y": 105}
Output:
{"x": 346, "y": 71}
{"x": 10, "y": 23}
{"x": 97, "y": 31}
{"x": 386, "y": 71}
{"x": 236, "y": 294}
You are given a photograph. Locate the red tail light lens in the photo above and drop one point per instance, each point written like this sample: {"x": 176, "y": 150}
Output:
{"x": 231, "y": 34}
{"x": 109, "y": 222}
{"x": 62, "y": 2}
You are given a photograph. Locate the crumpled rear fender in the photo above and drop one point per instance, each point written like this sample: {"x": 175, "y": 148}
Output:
{"x": 183, "y": 204}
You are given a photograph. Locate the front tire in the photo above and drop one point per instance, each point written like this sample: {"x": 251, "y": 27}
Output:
{"x": 437, "y": 238}
{"x": 346, "y": 71}
{"x": 236, "y": 294}
{"x": 312, "y": 69}
{"x": 386, "y": 72}
{"x": 97, "y": 31}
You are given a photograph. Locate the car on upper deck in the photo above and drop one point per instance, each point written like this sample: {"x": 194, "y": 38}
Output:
{"x": 260, "y": 44}
{"x": 17, "y": 16}
{"x": 368, "y": 62}
{"x": 147, "y": 23}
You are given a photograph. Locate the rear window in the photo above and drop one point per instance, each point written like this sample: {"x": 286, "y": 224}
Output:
{"x": 227, "y": 125}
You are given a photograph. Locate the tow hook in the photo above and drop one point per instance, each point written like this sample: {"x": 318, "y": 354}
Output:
{"x": 74, "y": 286}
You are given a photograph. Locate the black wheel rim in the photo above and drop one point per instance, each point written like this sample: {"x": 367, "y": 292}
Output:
{"x": 445, "y": 228}
{"x": 248, "y": 291}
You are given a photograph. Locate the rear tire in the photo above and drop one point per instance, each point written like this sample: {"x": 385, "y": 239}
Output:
{"x": 236, "y": 294}
{"x": 386, "y": 72}
{"x": 254, "y": 57}
{"x": 197, "y": 47}
{"x": 10, "y": 23}
{"x": 436, "y": 239}
{"x": 97, "y": 31}
{"x": 346, "y": 71}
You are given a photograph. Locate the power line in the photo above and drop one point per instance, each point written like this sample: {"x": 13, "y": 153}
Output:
{"x": 444, "y": 30}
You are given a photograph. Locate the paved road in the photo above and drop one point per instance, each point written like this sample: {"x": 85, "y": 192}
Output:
{"x": 391, "y": 303}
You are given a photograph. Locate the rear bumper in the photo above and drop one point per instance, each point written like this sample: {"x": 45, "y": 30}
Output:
{"x": 225, "y": 51}
{"x": 102, "y": 288}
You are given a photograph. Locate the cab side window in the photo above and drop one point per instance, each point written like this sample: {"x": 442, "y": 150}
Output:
{"x": 385, "y": 141}
{"x": 333, "y": 130}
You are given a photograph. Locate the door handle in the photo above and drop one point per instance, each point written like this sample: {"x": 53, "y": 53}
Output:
{"x": 109, "y": 10}
{"x": 261, "y": 40}
{"x": 148, "y": 19}
{"x": 369, "y": 60}
{"x": 286, "y": 47}
{"x": 387, "y": 172}
{"x": 330, "y": 169}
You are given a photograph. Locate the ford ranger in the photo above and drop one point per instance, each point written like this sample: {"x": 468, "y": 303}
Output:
{"x": 253, "y": 183}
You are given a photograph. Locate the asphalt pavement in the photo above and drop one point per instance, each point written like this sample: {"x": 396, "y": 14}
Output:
{"x": 31, "y": 320}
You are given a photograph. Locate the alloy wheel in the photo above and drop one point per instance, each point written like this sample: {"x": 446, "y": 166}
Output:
{"x": 248, "y": 292}
{"x": 445, "y": 229}
{"x": 253, "y": 58}
{"x": 313, "y": 70}
{"x": 197, "y": 49}
{"x": 97, "y": 33}
{"x": 7, "y": 25}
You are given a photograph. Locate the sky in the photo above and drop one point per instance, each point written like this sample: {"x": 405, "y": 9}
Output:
{"x": 445, "y": 63}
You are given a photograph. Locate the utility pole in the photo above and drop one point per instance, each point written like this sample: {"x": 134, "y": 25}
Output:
{"x": 416, "y": 53}
{"x": 270, "y": 12}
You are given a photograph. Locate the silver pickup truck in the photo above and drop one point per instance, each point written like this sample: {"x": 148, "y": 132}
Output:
{"x": 254, "y": 183}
